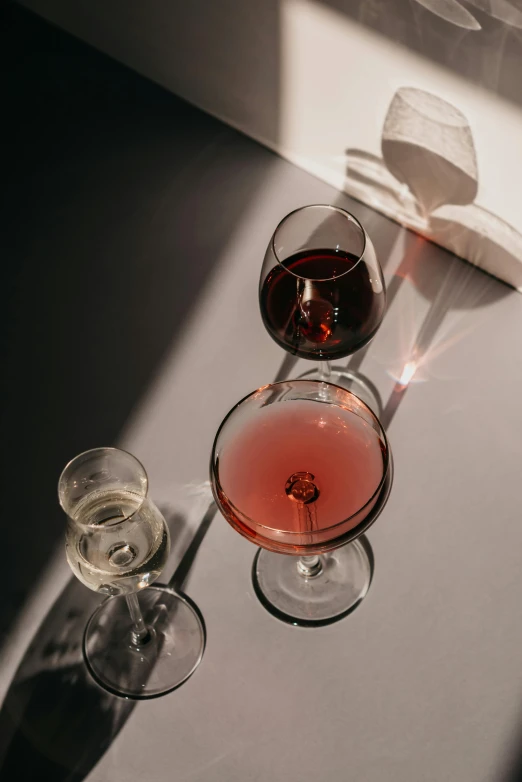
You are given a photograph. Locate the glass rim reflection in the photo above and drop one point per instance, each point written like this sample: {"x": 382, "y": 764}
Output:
{"x": 344, "y": 212}
{"x": 325, "y": 530}
{"x": 99, "y": 451}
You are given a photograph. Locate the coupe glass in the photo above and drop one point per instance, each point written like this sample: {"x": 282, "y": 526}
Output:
{"x": 303, "y": 468}
{"x": 117, "y": 543}
{"x": 321, "y": 292}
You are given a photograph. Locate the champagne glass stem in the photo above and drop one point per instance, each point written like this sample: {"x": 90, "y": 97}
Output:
{"x": 325, "y": 372}
{"x": 308, "y": 567}
{"x": 140, "y": 633}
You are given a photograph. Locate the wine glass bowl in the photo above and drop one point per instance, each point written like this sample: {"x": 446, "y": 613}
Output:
{"x": 116, "y": 541}
{"x": 302, "y": 467}
{"x": 321, "y": 292}
{"x": 117, "y": 544}
{"x": 260, "y": 442}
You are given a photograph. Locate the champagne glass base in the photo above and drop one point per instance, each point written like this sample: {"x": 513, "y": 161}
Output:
{"x": 174, "y": 651}
{"x": 330, "y": 595}
{"x": 351, "y": 381}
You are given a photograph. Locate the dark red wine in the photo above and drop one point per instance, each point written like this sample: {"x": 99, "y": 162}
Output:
{"x": 300, "y": 476}
{"x": 329, "y": 310}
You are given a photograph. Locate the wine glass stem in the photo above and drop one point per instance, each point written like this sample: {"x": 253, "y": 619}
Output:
{"x": 325, "y": 371}
{"x": 309, "y": 566}
{"x": 140, "y": 633}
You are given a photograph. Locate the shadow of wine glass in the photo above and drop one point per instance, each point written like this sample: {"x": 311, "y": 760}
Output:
{"x": 368, "y": 178}
{"x": 427, "y": 180}
{"x": 427, "y": 145}
{"x": 449, "y": 284}
{"x": 428, "y": 159}
{"x": 384, "y": 241}
{"x": 288, "y": 363}
{"x": 481, "y": 237}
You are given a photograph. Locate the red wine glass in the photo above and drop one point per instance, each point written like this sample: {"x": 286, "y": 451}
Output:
{"x": 321, "y": 293}
{"x": 303, "y": 468}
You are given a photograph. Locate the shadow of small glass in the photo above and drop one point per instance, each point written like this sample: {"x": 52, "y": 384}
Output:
{"x": 98, "y": 230}
{"x": 56, "y": 723}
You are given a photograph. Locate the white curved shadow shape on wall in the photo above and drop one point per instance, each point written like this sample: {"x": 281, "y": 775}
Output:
{"x": 427, "y": 179}
{"x": 499, "y": 9}
{"x": 427, "y": 144}
{"x": 452, "y": 11}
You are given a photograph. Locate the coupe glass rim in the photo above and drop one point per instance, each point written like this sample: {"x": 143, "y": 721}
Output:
{"x": 348, "y": 215}
{"x": 103, "y": 450}
{"x": 257, "y": 524}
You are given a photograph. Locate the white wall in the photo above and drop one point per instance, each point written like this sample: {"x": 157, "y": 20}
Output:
{"x": 315, "y": 81}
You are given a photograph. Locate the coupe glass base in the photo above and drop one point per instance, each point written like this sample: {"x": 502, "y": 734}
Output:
{"x": 318, "y": 600}
{"x": 351, "y": 381}
{"x": 172, "y": 654}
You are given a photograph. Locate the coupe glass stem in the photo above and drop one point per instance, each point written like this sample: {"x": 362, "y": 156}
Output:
{"x": 325, "y": 372}
{"x": 308, "y": 567}
{"x": 140, "y": 633}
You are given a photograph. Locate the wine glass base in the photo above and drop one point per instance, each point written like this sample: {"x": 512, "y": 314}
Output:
{"x": 351, "y": 381}
{"x": 172, "y": 654}
{"x": 318, "y": 600}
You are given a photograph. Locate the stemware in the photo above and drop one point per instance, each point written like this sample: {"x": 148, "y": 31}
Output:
{"x": 117, "y": 544}
{"x": 321, "y": 292}
{"x": 302, "y": 468}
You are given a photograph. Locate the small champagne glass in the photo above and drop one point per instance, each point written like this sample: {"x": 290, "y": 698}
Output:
{"x": 302, "y": 468}
{"x": 117, "y": 543}
{"x": 321, "y": 292}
